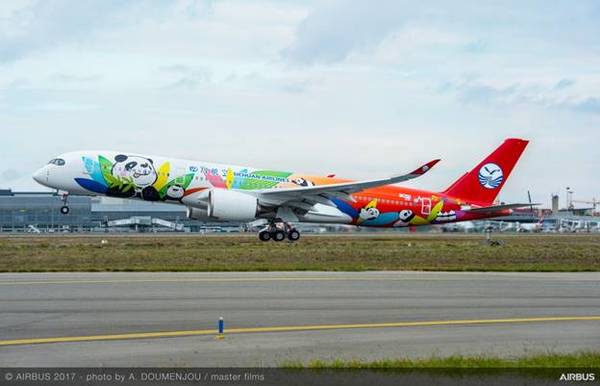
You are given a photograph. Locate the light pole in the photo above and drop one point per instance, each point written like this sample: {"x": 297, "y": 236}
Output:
{"x": 569, "y": 198}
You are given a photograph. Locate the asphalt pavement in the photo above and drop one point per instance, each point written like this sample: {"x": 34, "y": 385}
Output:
{"x": 170, "y": 319}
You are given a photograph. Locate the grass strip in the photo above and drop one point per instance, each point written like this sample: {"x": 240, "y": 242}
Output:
{"x": 544, "y": 360}
{"x": 421, "y": 252}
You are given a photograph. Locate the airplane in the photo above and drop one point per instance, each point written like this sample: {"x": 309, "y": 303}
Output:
{"x": 531, "y": 227}
{"x": 218, "y": 192}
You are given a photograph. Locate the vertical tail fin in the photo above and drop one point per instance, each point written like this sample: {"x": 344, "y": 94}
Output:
{"x": 483, "y": 183}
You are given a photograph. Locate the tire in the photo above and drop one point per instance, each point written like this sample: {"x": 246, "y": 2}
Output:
{"x": 264, "y": 236}
{"x": 64, "y": 209}
{"x": 278, "y": 235}
{"x": 293, "y": 235}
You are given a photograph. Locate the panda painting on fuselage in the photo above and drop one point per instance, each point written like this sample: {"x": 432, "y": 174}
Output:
{"x": 175, "y": 193}
{"x": 140, "y": 172}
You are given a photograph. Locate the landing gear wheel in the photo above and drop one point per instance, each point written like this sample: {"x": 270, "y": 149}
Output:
{"x": 264, "y": 235}
{"x": 293, "y": 235}
{"x": 64, "y": 197}
{"x": 278, "y": 235}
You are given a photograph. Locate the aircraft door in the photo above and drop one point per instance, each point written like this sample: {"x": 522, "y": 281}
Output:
{"x": 425, "y": 205}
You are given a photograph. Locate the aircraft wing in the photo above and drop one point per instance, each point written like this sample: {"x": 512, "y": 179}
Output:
{"x": 309, "y": 195}
{"x": 496, "y": 208}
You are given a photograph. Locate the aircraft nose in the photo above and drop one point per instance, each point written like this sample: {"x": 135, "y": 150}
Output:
{"x": 41, "y": 176}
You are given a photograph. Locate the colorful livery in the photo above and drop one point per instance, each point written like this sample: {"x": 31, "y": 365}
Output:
{"x": 219, "y": 192}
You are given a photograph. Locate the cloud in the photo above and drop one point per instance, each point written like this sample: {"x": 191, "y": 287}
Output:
{"x": 476, "y": 92}
{"x": 336, "y": 29}
{"x": 295, "y": 87}
{"x": 564, "y": 83}
{"x": 476, "y": 47}
{"x": 588, "y": 105}
{"x": 187, "y": 77}
{"x": 45, "y": 24}
{"x": 72, "y": 78}
{"x": 10, "y": 175}
{"x": 332, "y": 32}
{"x": 360, "y": 76}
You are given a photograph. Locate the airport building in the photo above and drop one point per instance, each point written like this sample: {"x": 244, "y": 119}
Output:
{"x": 40, "y": 212}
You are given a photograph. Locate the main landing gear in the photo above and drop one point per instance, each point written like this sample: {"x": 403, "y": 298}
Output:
{"x": 278, "y": 231}
{"x": 64, "y": 209}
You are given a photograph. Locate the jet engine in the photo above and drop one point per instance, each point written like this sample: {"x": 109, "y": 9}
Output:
{"x": 197, "y": 214}
{"x": 227, "y": 205}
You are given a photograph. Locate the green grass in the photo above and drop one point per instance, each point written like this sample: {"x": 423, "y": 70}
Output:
{"x": 426, "y": 252}
{"x": 576, "y": 360}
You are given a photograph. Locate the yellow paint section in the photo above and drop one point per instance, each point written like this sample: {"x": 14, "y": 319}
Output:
{"x": 434, "y": 212}
{"x": 229, "y": 177}
{"x": 371, "y": 204}
{"x": 248, "y": 279}
{"x": 163, "y": 176}
{"x": 418, "y": 220}
{"x": 172, "y": 334}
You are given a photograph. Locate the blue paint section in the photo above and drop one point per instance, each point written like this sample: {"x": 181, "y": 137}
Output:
{"x": 382, "y": 219}
{"x": 345, "y": 207}
{"x": 92, "y": 185}
{"x": 92, "y": 167}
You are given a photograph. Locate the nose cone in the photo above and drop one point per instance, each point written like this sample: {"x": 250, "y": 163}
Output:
{"x": 41, "y": 176}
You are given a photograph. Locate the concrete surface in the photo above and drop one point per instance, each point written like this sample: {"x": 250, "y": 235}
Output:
{"x": 64, "y": 305}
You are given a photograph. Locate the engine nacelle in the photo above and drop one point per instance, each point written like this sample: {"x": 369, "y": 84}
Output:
{"x": 197, "y": 214}
{"x": 229, "y": 205}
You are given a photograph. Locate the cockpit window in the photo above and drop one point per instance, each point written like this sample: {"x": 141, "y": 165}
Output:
{"x": 57, "y": 162}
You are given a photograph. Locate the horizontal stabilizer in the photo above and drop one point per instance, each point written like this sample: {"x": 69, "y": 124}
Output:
{"x": 496, "y": 208}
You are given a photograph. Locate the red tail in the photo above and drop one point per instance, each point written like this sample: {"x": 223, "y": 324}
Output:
{"x": 483, "y": 183}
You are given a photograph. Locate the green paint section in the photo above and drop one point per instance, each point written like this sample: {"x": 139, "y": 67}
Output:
{"x": 105, "y": 167}
{"x": 435, "y": 211}
{"x": 183, "y": 181}
{"x": 272, "y": 173}
{"x": 121, "y": 184}
{"x": 262, "y": 179}
{"x": 418, "y": 220}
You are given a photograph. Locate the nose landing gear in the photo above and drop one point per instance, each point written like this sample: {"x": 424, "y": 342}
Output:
{"x": 278, "y": 231}
{"x": 65, "y": 208}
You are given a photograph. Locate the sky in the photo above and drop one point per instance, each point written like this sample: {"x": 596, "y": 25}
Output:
{"x": 357, "y": 88}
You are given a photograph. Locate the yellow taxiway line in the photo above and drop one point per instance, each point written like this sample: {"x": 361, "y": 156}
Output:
{"x": 253, "y": 279}
{"x": 171, "y": 334}
{"x": 214, "y": 280}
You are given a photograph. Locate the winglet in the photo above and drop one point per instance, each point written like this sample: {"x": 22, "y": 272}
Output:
{"x": 425, "y": 168}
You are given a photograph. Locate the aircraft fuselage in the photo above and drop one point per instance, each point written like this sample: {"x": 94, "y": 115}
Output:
{"x": 189, "y": 183}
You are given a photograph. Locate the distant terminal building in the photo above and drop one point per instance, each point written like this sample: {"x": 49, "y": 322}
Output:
{"x": 521, "y": 215}
{"x": 40, "y": 212}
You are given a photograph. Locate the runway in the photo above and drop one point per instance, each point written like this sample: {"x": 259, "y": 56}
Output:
{"x": 169, "y": 319}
